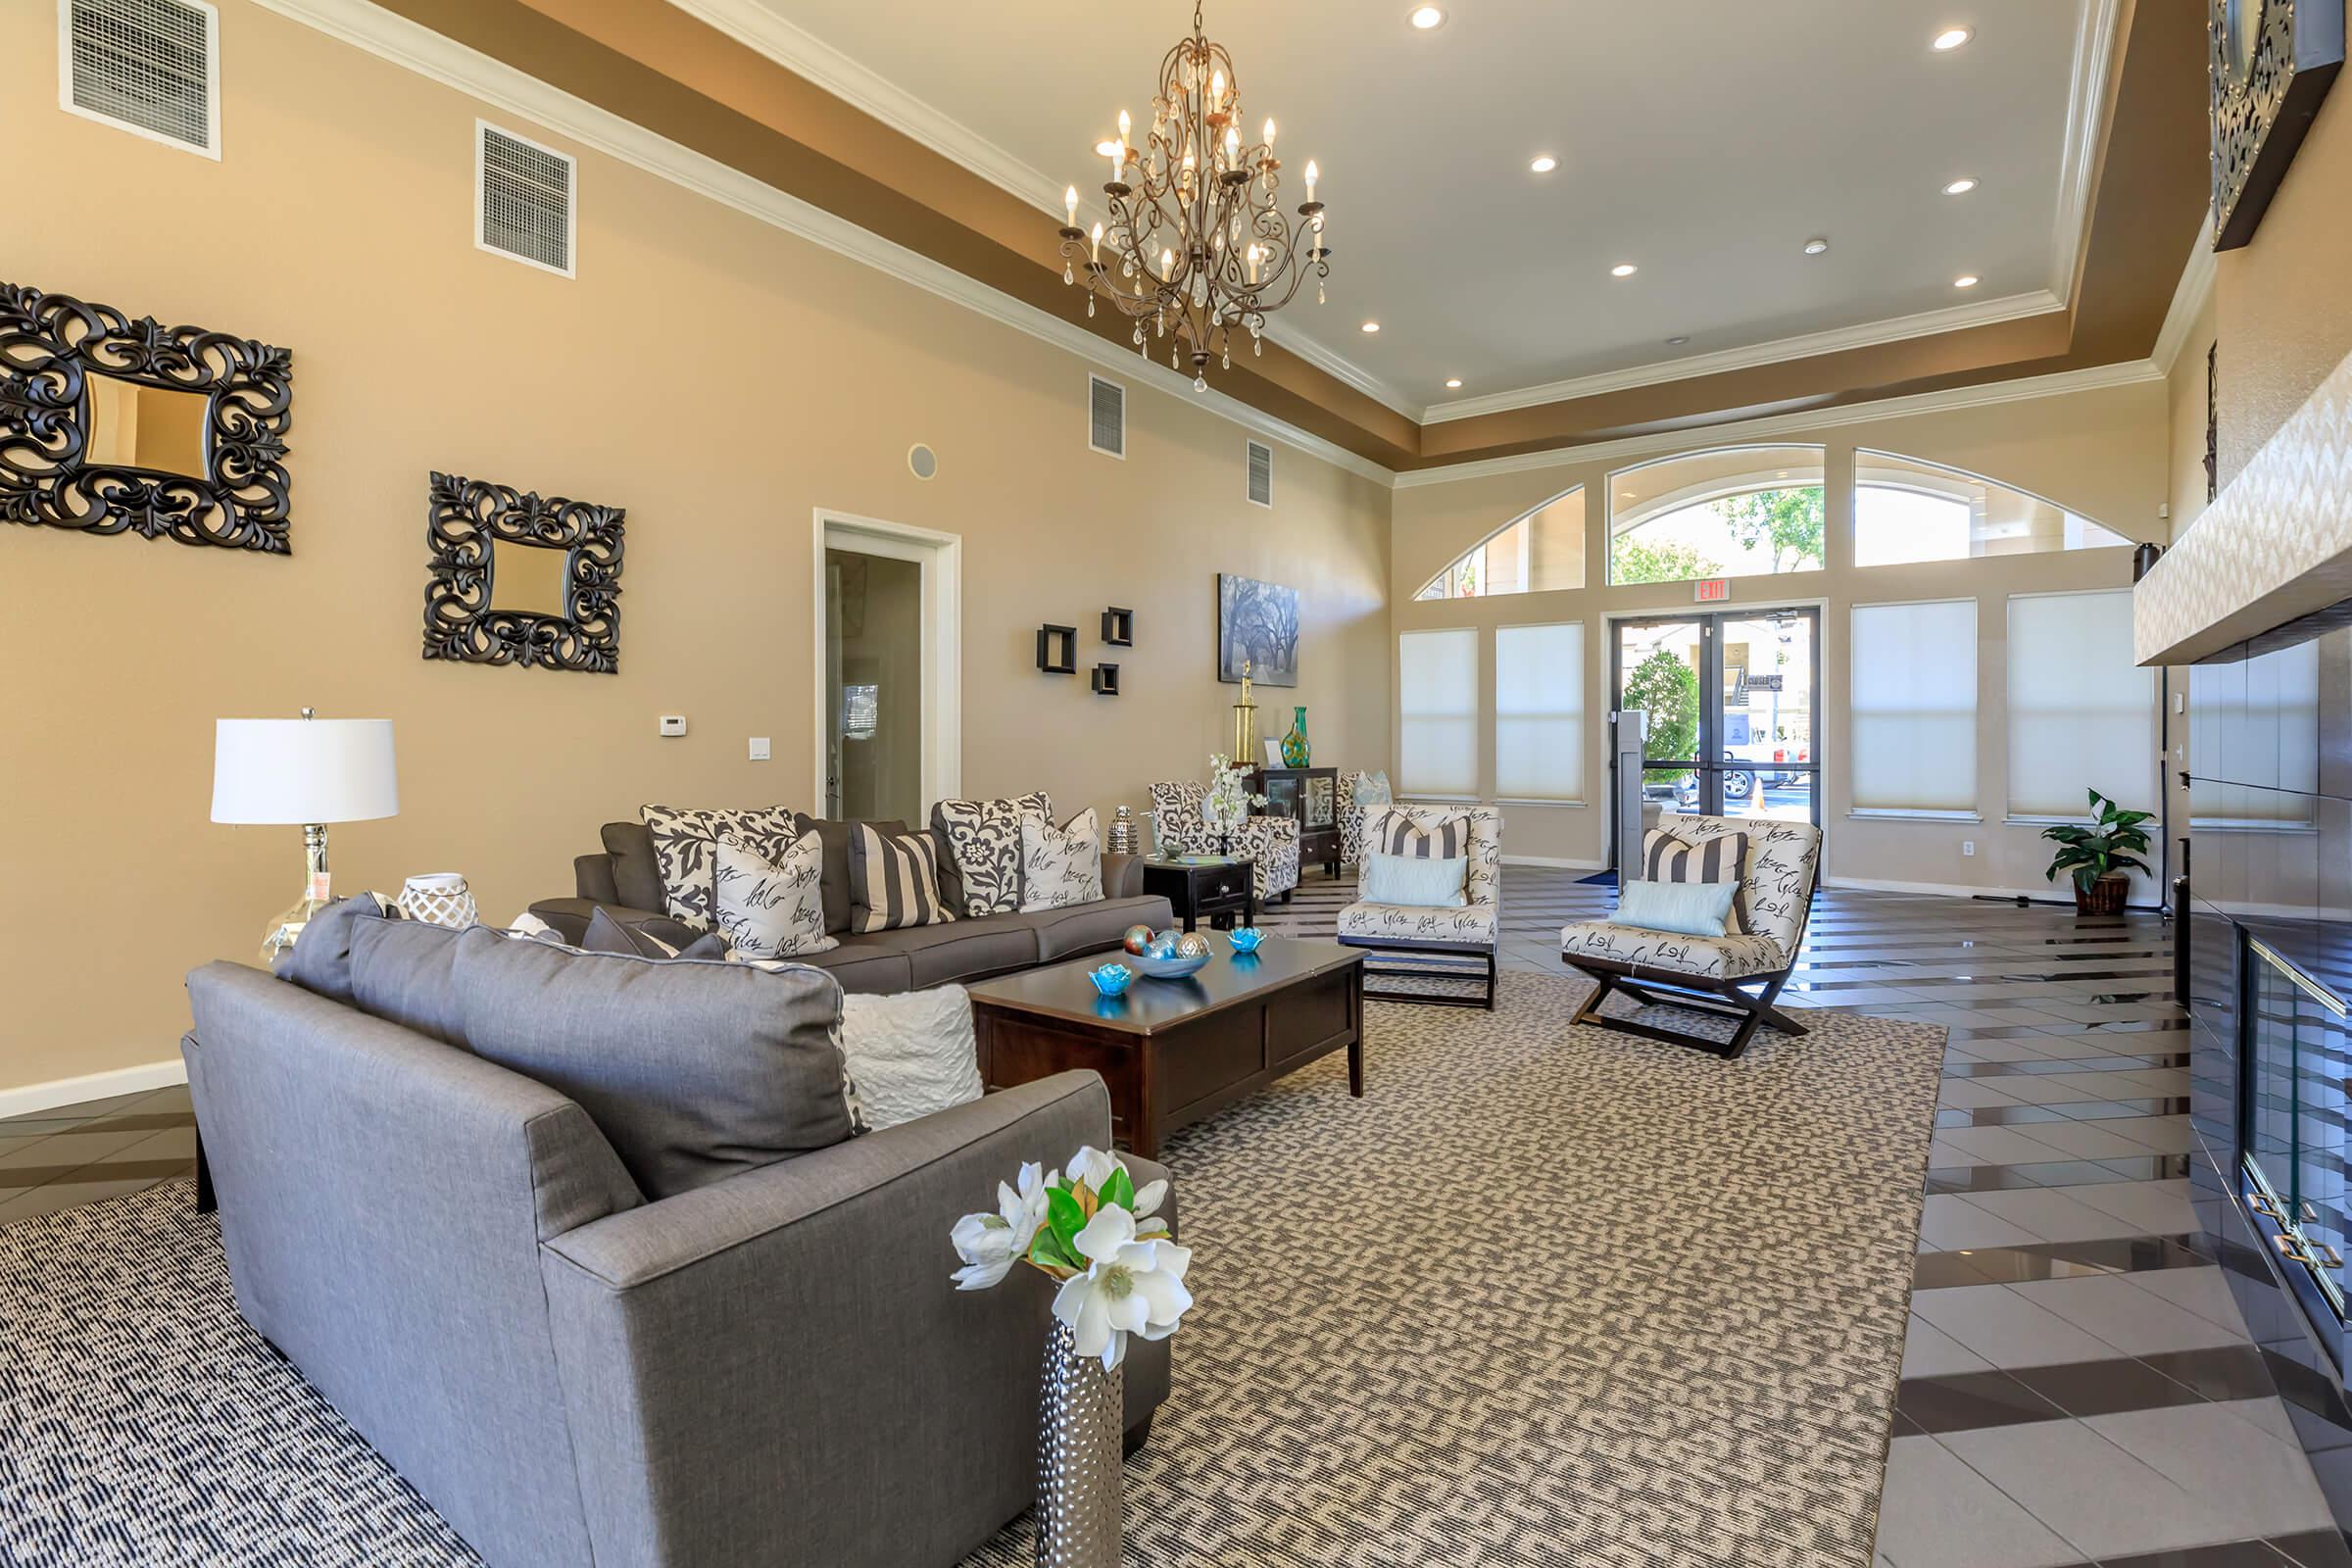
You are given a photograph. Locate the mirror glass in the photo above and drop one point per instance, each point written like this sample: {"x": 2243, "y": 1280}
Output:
{"x": 2242, "y": 39}
{"x": 134, "y": 426}
{"x": 528, "y": 580}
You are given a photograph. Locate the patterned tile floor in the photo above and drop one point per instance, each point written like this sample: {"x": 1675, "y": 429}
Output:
{"x": 2078, "y": 1387}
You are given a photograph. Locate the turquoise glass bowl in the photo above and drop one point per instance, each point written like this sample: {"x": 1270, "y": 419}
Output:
{"x": 1244, "y": 938}
{"x": 1112, "y": 979}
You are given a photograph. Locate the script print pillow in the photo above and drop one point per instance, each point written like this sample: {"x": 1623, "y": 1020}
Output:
{"x": 1060, "y": 865}
{"x": 685, "y": 845}
{"x": 772, "y": 908}
{"x": 985, "y": 837}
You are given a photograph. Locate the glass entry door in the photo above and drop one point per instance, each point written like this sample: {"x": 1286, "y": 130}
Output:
{"x": 1731, "y": 697}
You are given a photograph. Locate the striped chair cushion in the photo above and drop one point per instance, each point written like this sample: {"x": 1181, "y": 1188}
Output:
{"x": 1667, "y": 859}
{"x": 1448, "y": 840}
{"x": 893, "y": 880}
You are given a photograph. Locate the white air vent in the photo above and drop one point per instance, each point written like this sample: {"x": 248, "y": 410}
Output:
{"x": 150, "y": 67}
{"x": 1106, "y": 416}
{"x": 523, "y": 204}
{"x": 1262, "y": 473}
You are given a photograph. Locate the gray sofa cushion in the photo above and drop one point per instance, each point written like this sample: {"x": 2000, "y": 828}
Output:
{"x": 834, "y": 836}
{"x": 636, "y": 874}
{"x": 1095, "y": 927}
{"x": 648, "y": 937}
{"x": 962, "y": 949}
{"x": 695, "y": 1071}
{"x": 864, "y": 969}
{"x": 320, "y": 962}
{"x": 401, "y": 970}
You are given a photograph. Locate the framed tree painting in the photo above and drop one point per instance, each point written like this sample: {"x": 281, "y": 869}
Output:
{"x": 1257, "y": 625}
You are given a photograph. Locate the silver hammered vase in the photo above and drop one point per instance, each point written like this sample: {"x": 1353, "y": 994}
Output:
{"x": 1081, "y": 1480}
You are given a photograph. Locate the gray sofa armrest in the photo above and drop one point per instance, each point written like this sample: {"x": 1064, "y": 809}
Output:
{"x": 592, "y": 879}
{"x": 1122, "y": 876}
{"x": 754, "y": 1368}
{"x": 569, "y": 917}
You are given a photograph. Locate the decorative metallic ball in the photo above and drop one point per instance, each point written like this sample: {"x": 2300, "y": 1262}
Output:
{"x": 1192, "y": 945}
{"x": 1137, "y": 938}
{"x": 1169, "y": 935}
{"x": 1161, "y": 948}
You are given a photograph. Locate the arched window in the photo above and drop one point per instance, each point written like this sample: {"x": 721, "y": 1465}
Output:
{"x": 1906, "y": 511}
{"x": 1537, "y": 552}
{"x": 1731, "y": 512}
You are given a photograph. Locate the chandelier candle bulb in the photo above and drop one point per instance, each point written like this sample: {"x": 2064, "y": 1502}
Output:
{"x": 1069, "y": 201}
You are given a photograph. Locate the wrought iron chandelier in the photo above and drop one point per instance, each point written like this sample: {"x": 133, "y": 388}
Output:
{"x": 1197, "y": 241}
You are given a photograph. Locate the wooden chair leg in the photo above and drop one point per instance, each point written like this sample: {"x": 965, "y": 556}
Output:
{"x": 1489, "y": 980}
{"x": 1602, "y": 985}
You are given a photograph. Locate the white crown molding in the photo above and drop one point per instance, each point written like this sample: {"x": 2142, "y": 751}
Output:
{"x": 1926, "y": 324}
{"x": 751, "y": 23}
{"x": 2130, "y": 373}
{"x": 441, "y": 59}
{"x": 2189, "y": 298}
{"x": 2096, "y": 36}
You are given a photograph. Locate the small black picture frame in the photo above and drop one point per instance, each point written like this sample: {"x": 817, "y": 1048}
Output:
{"x": 1118, "y": 627}
{"x": 1057, "y": 650}
{"x": 1107, "y": 680}
{"x": 465, "y": 520}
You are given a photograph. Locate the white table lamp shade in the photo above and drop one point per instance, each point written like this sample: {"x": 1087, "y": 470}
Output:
{"x": 304, "y": 770}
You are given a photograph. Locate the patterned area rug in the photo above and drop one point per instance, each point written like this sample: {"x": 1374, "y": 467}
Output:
{"x": 1543, "y": 1298}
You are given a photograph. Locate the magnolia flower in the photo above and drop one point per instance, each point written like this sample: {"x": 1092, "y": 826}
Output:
{"x": 1130, "y": 1286}
{"x": 1148, "y": 1199}
{"x": 990, "y": 1244}
{"x": 1092, "y": 1166}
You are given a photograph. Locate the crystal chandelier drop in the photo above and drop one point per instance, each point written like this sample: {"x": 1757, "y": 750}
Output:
{"x": 1197, "y": 241}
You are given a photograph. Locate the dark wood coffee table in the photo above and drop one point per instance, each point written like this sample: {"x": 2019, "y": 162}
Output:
{"x": 1176, "y": 1051}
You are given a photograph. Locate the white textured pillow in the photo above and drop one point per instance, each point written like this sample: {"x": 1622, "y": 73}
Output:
{"x": 910, "y": 1055}
{"x": 1060, "y": 865}
{"x": 771, "y": 910}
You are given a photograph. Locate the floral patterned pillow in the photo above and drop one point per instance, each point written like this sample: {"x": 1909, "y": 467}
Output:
{"x": 685, "y": 844}
{"x": 1060, "y": 865}
{"x": 985, "y": 837}
{"x": 771, "y": 909}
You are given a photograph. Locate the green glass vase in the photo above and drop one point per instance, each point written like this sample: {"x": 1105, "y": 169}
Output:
{"x": 1294, "y": 745}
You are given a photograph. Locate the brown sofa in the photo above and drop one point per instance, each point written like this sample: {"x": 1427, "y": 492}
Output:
{"x": 625, "y": 880}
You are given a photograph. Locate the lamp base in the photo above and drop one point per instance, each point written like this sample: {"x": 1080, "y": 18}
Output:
{"x": 286, "y": 929}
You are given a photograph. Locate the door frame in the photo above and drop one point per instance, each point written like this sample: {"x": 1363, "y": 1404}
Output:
{"x": 941, "y": 556}
{"x": 1710, "y": 745}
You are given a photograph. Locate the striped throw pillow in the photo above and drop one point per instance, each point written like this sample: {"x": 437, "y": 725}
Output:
{"x": 1667, "y": 859}
{"x": 893, "y": 880}
{"x": 1450, "y": 839}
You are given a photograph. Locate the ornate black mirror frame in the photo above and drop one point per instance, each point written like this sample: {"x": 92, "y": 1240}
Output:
{"x": 466, "y": 521}
{"x": 51, "y": 344}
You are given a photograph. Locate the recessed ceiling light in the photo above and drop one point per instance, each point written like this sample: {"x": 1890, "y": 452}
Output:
{"x": 1952, "y": 38}
{"x": 1624, "y": 270}
{"x": 1676, "y": 342}
{"x": 1373, "y": 326}
{"x": 1816, "y": 245}
{"x": 1960, "y": 187}
{"x": 1424, "y": 17}
{"x": 1965, "y": 280}
{"x": 1453, "y": 383}
{"x": 1543, "y": 163}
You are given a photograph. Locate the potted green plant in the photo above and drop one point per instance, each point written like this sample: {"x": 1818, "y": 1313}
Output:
{"x": 2100, "y": 855}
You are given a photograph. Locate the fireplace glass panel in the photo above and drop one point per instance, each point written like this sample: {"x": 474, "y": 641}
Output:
{"x": 2295, "y": 1107}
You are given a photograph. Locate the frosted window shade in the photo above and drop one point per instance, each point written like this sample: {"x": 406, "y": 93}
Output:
{"x": 1539, "y": 712}
{"x": 1915, "y": 707}
{"x": 2082, "y": 715}
{"x": 1437, "y": 698}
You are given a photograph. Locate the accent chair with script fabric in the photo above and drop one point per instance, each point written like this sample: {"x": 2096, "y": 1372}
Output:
{"x": 1737, "y": 975}
{"x": 1427, "y": 940}
{"x": 1270, "y": 842}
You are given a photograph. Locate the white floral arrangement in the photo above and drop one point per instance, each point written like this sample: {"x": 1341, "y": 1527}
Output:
{"x": 1226, "y": 804}
{"x": 1121, "y": 1272}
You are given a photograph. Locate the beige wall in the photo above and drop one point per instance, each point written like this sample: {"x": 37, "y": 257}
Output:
{"x": 716, "y": 376}
{"x": 2284, "y": 315}
{"x": 2100, "y": 453}
{"x": 2184, "y": 396}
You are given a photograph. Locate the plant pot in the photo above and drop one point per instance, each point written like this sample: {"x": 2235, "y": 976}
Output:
{"x": 2105, "y": 895}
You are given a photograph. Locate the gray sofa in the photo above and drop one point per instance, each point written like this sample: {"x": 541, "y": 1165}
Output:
{"x": 625, "y": 880}
{"x": 771, "y": 1368}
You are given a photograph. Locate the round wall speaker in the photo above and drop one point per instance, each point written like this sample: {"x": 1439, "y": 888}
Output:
{"x": 923, "y": 460}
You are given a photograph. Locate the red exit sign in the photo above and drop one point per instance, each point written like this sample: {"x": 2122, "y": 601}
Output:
{"x": 1713, "y": 590}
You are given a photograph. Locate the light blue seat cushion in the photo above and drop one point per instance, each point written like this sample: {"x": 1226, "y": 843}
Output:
{"x": 1422, "y": 882}
{"x": 1685, "y": 909}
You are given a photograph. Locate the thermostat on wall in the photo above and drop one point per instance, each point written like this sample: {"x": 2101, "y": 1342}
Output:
{"x": 673, "y": 725}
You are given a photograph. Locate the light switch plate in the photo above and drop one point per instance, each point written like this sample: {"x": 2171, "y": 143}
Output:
{"x": 673, "y": 725}
{"x": 760, "y": 748}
